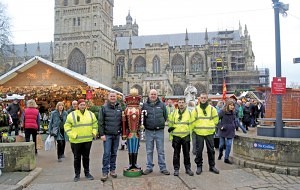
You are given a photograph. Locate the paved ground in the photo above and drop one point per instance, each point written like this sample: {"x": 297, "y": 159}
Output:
{"x": 51, "y": 174}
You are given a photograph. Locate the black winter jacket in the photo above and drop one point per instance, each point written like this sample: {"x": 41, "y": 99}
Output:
{"x": 110, "y": 119}
{"x": 156, "y": 115}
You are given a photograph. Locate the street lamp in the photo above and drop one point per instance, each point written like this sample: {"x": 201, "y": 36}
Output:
{"x": 279, "y": 7}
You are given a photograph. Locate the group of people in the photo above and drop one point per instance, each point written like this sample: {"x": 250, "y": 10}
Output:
{"x": 80, "y": 126}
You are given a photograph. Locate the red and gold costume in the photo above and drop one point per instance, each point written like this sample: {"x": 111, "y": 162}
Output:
{"x": 131, "y": 125}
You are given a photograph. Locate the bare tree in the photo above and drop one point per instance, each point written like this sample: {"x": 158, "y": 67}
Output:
{"x": 5, "y": 34}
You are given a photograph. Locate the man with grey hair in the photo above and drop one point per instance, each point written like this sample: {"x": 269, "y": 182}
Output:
{"x": 154, "y": 123}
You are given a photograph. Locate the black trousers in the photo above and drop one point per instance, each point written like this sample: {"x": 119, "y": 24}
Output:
{"x": 81, "y": 150}
{"x": 61, "y": 144}
{"x": 177, "y": 143}
{"x": 209, "y": 141}
{"x": 16, "y": 125}
{"x": 32, "y": 132}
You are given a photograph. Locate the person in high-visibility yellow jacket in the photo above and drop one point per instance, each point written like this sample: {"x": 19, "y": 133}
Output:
{"x": 205, "y": 119}
{"x": 179, "y": 122}
{"x": 81, "y": 126}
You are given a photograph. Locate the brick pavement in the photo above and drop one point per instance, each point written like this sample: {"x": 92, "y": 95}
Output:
{"x": 55, "y": 175}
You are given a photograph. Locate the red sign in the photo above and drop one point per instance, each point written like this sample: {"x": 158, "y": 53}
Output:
{"x": 89, "y": 94}
{"x": 278, "y": 85}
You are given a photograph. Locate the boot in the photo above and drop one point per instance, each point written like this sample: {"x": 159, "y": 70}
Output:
{"x": 188, "y": 170}
{"x": 199, "y": 170}
{"x": 134, "y": 161}
{"x": 130, "y": 161}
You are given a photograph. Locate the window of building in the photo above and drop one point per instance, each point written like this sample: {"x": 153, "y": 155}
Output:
{"x": 87, "y": 1}
{"x": 76, "y": 2}
{"x": 140, "y": 65}
{"x": 65, "y": 2}
{"x": 120, "y": 67}
{"x": 139, "y": 88}
{"x": 74, "y": 21}
{"x": 178, "y": 64}
{"x": 196, "y": 63}
{"x": 78, "y": 21}
{"x": 200, "y": 89}
{"x": 77, "y": 61}
{"x": 156, "y": 64}
{"x": 178, "y": 90}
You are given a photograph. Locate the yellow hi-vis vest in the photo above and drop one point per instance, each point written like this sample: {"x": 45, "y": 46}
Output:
{"x": 182, "y": 127}
{"x": 81, "y": 127}
{"x": 205, "y": 124}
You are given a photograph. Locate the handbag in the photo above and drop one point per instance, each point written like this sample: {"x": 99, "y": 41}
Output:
{"x": 54, "y": 131}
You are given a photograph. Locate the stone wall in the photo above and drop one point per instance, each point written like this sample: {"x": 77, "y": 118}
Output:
{"x": 279, "y": 155}
{"x": 19, "y": 156}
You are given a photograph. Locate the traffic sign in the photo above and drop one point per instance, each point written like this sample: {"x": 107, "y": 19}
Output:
{"x": 278, "y": 85}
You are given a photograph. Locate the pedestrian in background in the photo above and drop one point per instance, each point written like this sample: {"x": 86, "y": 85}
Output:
{"x": 56, "y": 124}
{"x": 81, "y": 127}
{"x": 154, "y": 123}
{"x": 31, "y": 122}
{"x": 110, "y": 126}
{"x": 14, "y": 110}
{"x": 73, "y": 107}
{"x": 179, "y": 122}
{"x": 226, "y": 131}
{"x": 205, "y": 118}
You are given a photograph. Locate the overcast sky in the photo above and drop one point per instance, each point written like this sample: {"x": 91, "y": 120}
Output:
{"x": 33, "y": 21}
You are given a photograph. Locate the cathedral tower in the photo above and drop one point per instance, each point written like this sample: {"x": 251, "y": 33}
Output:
{"x": 83, "y": 39}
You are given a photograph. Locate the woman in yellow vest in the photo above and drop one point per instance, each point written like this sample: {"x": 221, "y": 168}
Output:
{"x": 81, "y": 126}
{"x": 179, "y": 122}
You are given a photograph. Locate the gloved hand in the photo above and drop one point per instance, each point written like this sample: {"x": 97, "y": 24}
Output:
{"x": 171, "y": 129}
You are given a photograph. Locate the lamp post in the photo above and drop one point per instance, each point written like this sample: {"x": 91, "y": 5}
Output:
{"x": 279, "y": 7}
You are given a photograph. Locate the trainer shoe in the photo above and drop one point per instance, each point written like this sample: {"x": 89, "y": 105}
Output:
{"x": 104, "y": 177}
{"x": 176, "y": 173}
{"x": 166, "y": 172}
{"x": 89, "y": 176}
{"x": 113, "y": 174}
{"x": 76, "y": 178}
{"x": 147, "y": 171}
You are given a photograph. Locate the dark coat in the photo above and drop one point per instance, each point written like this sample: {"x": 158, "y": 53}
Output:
{"x": 156, "y": 115}
{"x": 55, "y": 121}
{"x": 110, "y": 119}
{"x": 227, "y": 121}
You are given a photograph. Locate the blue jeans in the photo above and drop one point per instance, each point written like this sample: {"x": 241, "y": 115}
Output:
{"x": 110, "y": 153}
{"x": 240, "y": 125}
{"x": 228, "y": 142}
{"x": 156, "y": 136}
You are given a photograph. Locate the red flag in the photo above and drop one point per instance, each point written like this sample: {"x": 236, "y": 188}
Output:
{"x": 224, "y": 90}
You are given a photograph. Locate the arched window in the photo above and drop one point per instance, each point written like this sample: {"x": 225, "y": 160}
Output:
{"x": 196, "y": 63}
{"x": 156, "y": 64}
{"x": 178, "y": 90}
{"x": 200, "y": 89}
{"x": 139, "y": 88}
{"x": 140, "y": 65}
{"x": 119, "y": 67}
{"x": 65, "y": 2}
{"x": 178, "y": 64}
{"x": 77, "y": 61}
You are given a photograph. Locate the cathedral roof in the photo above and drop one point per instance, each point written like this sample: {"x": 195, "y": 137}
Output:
{"x": 32, "y": 49}
{"x": 172, "y": 39}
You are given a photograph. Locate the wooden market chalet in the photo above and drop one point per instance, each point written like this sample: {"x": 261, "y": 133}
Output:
{"x": 47, "y": 82}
